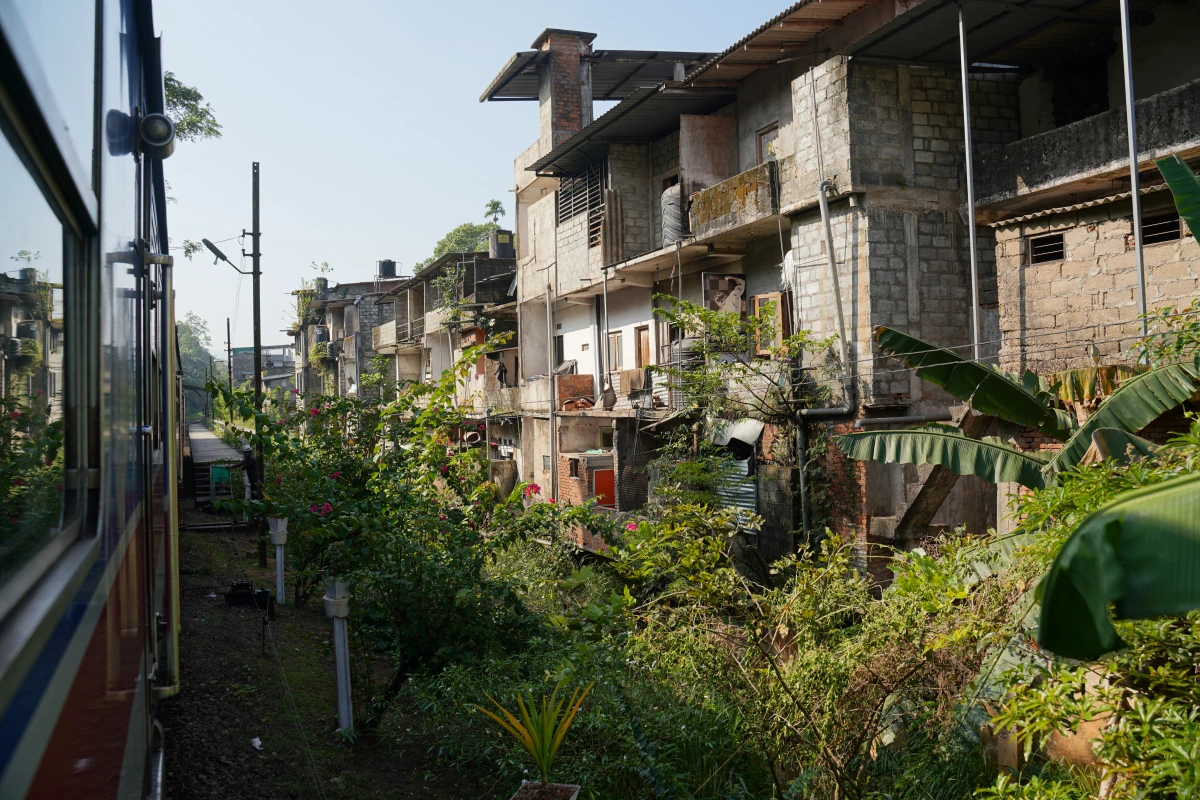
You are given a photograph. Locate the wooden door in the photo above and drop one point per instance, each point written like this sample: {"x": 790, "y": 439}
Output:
{"x": 642, "y": 340}
{"x": 603, "y": 487}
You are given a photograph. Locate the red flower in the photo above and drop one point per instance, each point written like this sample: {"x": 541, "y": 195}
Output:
{"x": 326, "y": 509}
{"x": 313, "y": 509}
{"x": 630, "y": 526}
{"x": 295, "y": 391}
{"x": 278, "y": 480}
{"x": 49, "y": 462}
{"x": 314, "y": 411}
{"x": 532, "y": 489}
{"x": 335, "y": 474}
{"x": 550, "y": 501}
{"x": 18, "y": 482}
{"x": 14, "y": 520}
{"x": 442, "y": 517}
{"x": 39, "y": 393}
{"x": 15, "y": 414}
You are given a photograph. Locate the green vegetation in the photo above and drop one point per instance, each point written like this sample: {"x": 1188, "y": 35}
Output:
{"x": 541, "y": 727}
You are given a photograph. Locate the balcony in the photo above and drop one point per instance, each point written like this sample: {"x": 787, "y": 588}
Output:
{"x": 740, "y": 208}
{"x": 397, "y": 333}
{"x": 1088, "y": 154}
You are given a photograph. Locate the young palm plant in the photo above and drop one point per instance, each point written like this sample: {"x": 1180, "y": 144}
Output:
{"x": 542, "y": 726}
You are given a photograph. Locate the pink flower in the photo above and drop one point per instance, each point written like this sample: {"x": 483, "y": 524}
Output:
{"x": 532, "y": 489}
{"x": 39, "y": 392}
{"x": 550, "y": 501}
{"x": 15, "y": 414}
{"x": 49, "y": 462}
{"x": 18, "y": 482}
{"x": 313, "y": 509}
{"x": 278, "y": 480}
{"x": 335, "y": 474}
{"x": 314, "y": 411}
{"x": 295, "y": 391}
{"x": 14, "y": 520}
{"x": 445, "y": 469}
{"x": 631, "y": 526}
{"x": 326, "y": 509}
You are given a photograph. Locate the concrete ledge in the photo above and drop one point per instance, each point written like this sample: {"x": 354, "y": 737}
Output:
{"x": 740, "y": 201}
{"x": 1096, "y": 147}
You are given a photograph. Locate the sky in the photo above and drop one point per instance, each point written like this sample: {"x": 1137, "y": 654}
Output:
{"x": 365, "y": 118}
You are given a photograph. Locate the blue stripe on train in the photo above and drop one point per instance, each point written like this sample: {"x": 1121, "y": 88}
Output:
{"x": 16, "y": 717}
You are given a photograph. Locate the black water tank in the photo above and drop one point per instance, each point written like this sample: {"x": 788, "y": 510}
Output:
{"x": 500, "y": 244}
{"x": 387, "y": 268}
{"x": 320, "y": 334}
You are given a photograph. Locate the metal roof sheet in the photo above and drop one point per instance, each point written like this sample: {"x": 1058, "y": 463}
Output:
{"x": 648, "y": 113}
{"x": 1019, "y": 33}
{"x": 616, "y": 74}
{"x": 791, "y": 30}
{"x": 1099, "y": 201}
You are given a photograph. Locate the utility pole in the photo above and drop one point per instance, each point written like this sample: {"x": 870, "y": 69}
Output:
{"x": 255, "y": 233}
{"x": 229, "y": 365}
{"x": 211, "y": 376}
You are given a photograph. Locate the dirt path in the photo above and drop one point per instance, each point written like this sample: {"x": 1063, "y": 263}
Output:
{"x": 233, "y": 691}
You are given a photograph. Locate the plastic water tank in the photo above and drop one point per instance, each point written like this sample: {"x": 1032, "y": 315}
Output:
{"x": 672, "y": 215}
{"x": 387, "y": 268}
{"x": 500, "y": 244}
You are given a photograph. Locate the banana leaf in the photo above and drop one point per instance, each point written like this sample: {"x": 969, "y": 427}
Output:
{"x": 1140, "y": 554}
{"x": 988, "y": 390}
{"x": 1120, "y": 445}
{"x": 987, "y": 458}
{"x": 1185, "y": 187}
{"x": 1089, "y": 383}
{"x": 1138, "y": 402}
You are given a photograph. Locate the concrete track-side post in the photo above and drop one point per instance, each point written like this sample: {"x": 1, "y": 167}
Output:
{"x": 278, "y": 528}
{"x": 337, "y": 606}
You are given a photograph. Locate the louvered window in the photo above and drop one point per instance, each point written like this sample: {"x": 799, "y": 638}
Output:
{"x": 584, "y": 194}
{"x": 1161, "y": 228}
{"x": 1046, "y": 248}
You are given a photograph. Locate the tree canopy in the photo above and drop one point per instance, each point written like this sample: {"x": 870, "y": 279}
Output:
{"x": 194, "y": 119}
{"x": 466, "y": 238}
{"x": 195, "y": 343}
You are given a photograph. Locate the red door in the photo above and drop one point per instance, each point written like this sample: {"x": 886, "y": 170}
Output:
{"x": 603, "y": 487}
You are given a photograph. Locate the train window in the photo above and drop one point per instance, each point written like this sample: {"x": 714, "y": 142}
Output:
{"x": 61, "y": 37}
{"x": 32, "y": 388}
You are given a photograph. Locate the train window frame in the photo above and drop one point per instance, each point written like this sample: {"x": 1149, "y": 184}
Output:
{"x": 56, "y": 569}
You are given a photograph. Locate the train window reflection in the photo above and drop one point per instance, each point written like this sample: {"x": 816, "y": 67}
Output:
{"x": 62, "y": 35}
{"x": 32, "y": 340}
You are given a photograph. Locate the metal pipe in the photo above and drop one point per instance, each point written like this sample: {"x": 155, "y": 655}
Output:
{"x": 1135, "y": 178}
{"x": 550, "y": 377}
{"x": 606, "y": 366}
{"x": 843, "y": 349}
{"x": 966, "y": 95}
{"x": 941, "y": 416}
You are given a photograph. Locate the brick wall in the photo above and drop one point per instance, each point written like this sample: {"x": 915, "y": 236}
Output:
{"x": 370, "y": 316}
{"x": 576, "y": 490}
{"x": 566, "y": 77}
{"x": 1051, "y": 314}
{"x": 574, "y": 386}
{"x": 576, "y": 261}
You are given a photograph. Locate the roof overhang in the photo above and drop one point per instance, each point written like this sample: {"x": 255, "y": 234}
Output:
{"x": 616, "y": 74}
{"x": 647, "y": 114}
{"x": 1013, "y": 33}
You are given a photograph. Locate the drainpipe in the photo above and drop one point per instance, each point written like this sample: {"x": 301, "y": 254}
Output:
{"x": 938, "y": 416}
{"x": 1135, "y": 179}
{"x": 605, "y": 366}
{"x": 966, "y": 95}
{"x": 551, "y": 378}
{"x": 837, "y": 291}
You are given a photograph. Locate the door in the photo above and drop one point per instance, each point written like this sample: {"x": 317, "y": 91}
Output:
{"x": 603, "y": 487}
{"x": 642, "y": 341}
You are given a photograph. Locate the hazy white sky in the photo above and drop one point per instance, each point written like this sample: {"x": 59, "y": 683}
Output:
{"x": 364, "y": 116}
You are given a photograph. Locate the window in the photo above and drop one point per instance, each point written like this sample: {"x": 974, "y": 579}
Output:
{"x": 33, "y": 389}
{"x": 778, "y": 305}
{"x": 669, "y": 181}
{"x": 766, "y": 140}
{"x": 559, "y": 351}
{"x": 545, "y": 463}
{"x": 573, "y": 467}
{"x": 1046, "y": 248}
{"x": 614, "y": 352}
{"x": 1161, "y": 228}
{"x": 606, "y": 438}
{"x": 584, "y": 194}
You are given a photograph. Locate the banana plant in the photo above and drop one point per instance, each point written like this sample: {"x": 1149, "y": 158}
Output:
{"x": 1134, "y": 405}
{"x": 1138, "y": 554}
{"x": 1185, "y": 186}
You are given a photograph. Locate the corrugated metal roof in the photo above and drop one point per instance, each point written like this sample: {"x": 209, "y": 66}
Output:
{"x": 1099, "y": 201}
{"x": 786, "y": 32}
{"x": 647, "y": 114}
{"x": 1022, "y": 33}
{"x": 616, "y": 74}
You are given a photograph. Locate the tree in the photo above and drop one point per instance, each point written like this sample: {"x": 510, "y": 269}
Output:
{"x": 495, "y": 210}
{"x": 195, "y": 342}
{"x": 194, "y": 119}
{"x": 466, "y": 238}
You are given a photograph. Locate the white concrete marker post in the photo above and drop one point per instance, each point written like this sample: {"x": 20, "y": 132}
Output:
{"x": 337, "y": 606}
{"x": 278, "y": 528}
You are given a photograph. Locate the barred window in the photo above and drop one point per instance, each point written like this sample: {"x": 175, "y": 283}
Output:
{"x": 1161, "y": 228}
{"x": 1050, "y": 247}
{"x": 584, "y": 193}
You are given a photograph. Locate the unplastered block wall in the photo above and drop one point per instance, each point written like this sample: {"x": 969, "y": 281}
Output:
{"x": 1053, "y": 314}
{"x": 664, "y": 163}
{"x": 906, "y": 124}
{"x": 578, "y": 263}
{"x": 629, "y": 174}
{"x": 370, "y": 316}
{"x": 830, "y": 136}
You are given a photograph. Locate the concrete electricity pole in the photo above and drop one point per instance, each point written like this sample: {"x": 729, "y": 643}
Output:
{"x": 255, "y": 254}
{"x": 229, "y": 365}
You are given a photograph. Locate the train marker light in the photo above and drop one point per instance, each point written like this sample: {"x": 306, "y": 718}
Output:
{"x": 157, "y": 134}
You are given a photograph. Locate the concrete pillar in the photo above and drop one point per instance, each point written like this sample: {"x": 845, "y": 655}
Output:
{"x": 337, "y": 606}
{"x": 278, "y": 528}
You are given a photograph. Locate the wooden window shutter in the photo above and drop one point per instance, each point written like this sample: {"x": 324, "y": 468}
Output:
{"x": 761, "y": 303}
